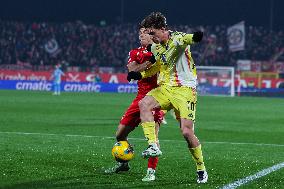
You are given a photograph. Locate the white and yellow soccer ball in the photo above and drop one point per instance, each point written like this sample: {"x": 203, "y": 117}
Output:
{"x": 122, "y": 151}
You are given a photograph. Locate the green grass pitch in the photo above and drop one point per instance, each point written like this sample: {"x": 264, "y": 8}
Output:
{"x": 65, "y": 142}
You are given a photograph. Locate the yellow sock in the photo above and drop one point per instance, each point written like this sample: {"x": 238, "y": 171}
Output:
{"x": 149, "y": 131}
{"x": 197, "y": 157}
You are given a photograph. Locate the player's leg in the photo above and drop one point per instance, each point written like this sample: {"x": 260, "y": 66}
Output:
{"x": 121, "y": 135}
{"x": 185, "y": 101}
{"x": 58, "y": 88}
{"x": 194, "y": 146}
{"x": 57, "y": 85}
{"x": 123, "y": 131}
{"x": 187, "y": 129}
{"x": 153, "y": 161}
{"x": 128, "y": 123}
{"x": 146, "y": 105}
{"x": 154, "y": 99}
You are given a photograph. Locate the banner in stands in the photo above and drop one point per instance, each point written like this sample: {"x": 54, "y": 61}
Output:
{"x": 69, "y": 76}
{"x": 67, "y": 86}
{"x": 236, "y": 37}
{"x": 120, "y": 78}
{"x": 260, "y": 66}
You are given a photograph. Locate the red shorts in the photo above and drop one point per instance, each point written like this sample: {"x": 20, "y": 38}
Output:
{"x": 132, "y": 115}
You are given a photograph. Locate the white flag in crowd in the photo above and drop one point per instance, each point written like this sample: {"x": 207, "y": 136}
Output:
{"x": 52, "y": 47}
{"x": 236, "y": 37}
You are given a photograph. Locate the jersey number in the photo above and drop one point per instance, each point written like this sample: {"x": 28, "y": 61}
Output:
{"x": 191, "y": 105}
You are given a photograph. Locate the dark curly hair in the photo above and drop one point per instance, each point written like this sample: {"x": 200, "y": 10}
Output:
{"x": 156, "y": 20}
{"x": 140, "y": 26}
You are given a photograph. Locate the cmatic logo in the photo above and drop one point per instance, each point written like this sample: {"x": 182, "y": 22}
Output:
{"x": 34, "y": 86}
{"x": 127, "y": 89}
{"x": 79, "y": 87}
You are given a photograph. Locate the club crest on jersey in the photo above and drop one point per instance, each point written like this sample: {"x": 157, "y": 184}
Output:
{"x": 163, "y": 58}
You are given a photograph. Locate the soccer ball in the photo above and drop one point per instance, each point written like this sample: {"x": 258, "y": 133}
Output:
{"x": 122, "y": 151}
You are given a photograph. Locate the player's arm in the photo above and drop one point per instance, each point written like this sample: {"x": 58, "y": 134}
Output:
{"x": 143, "y": 60}
{"x": 185, "y": 39}
{"x": 193, "y": 38}
{"x": 135, "y": 61}
{"x": 137, "y": 75}
{"x": 153, "y": 70}
{"x": 135, "y": 67}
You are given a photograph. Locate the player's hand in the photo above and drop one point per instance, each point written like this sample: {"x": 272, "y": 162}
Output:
{"x": 134, "y": 76}
{"x": 152, "y": 59}
{"x": 149, "y": 65}
{"x": 197, "y": 36}
{"x": 149, "y": 47}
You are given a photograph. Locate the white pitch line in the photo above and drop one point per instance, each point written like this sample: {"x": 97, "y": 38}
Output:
{"x": 165, "y": 140}
{"x": 254, "y": 177}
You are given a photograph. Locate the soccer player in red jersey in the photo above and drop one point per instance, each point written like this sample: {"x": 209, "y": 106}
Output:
{"x": 139, "y": 60}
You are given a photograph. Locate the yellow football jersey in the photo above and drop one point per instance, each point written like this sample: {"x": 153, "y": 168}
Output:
{"x": 177, "y": 67}
{"x": 154, "y": 69}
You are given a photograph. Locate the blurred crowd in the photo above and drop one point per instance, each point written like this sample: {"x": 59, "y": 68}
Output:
{"x": 78, "y": 44}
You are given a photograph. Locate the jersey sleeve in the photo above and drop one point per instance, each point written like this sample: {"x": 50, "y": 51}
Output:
{"x": 187, "y": 38}
{"x": 154, "y": 69}
{"x": 144, "y": 56}
{"x": 139, "y": 56}
{"x": 183, "y": 39}
{"x": 132, "y": 56}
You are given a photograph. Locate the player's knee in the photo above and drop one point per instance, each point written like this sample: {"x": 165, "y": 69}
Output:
{"x": 187, "y": 124}
{"x": 187, "y": 129}
{"x": 143, "y": 104}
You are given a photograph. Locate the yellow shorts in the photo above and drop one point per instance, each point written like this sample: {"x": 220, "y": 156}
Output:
{"x": 181, "y": 99}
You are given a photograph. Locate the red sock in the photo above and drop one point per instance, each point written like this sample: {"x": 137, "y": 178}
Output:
{"x": 152, "y": 162}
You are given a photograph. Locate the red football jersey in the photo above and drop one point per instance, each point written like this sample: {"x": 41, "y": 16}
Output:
{"x": 141, "y": 55}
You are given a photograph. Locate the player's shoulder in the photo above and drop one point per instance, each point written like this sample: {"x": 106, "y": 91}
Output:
{"x": 175, "y": 34}
{"x": 137, "y": 50}
{"x": 133, "y": 52}
{"x": 155, "y": 47}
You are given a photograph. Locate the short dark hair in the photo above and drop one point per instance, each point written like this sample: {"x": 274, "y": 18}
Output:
{"x": 156, "y": 20}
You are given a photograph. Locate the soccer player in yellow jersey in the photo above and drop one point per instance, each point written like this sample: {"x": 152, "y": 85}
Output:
{"x": 177, "y": 87}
